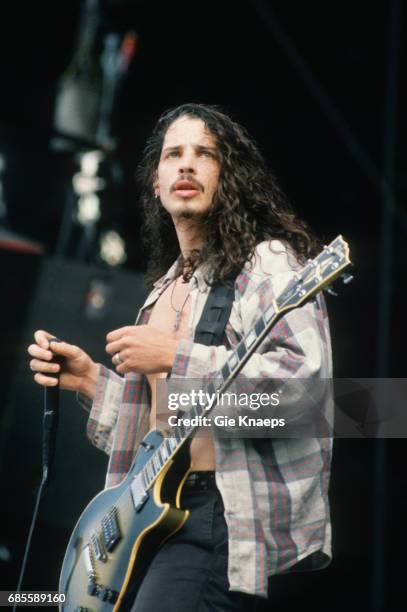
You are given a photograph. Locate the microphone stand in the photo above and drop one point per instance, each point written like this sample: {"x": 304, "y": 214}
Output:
{"x": 49, "y": 430}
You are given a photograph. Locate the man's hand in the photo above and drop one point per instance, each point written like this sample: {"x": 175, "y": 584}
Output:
{"x": 142, "y": 349}
{"x": 77, "y": 373}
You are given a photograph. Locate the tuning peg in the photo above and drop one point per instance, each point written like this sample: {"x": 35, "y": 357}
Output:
{"x": 346, "y": 278}
{"x": 329, "y": 290}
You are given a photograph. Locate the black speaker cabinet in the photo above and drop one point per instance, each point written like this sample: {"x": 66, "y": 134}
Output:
{"x": 80, "y": 304}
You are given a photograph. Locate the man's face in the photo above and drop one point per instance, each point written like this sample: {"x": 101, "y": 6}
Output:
{"x": 188, "y": 170}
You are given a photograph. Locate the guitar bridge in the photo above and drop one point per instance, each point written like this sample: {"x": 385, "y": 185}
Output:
{"x": 111, "y": 530}
{"x": 98, "y": 548}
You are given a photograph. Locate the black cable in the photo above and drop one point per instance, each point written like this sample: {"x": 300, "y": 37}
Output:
{"x": 30, "y": 534}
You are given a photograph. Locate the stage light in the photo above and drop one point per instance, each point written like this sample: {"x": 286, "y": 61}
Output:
{"x": 88, "y": 209}
{"x": 112, "y": 248}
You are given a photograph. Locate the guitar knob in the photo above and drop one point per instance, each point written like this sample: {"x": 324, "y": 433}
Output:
{"x": 103, "y": 594}
{"x": 106, "y": 594}
{"x": 92, "y": 588}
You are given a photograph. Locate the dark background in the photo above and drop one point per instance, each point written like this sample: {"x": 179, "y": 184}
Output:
{"x": 320, "y": 88}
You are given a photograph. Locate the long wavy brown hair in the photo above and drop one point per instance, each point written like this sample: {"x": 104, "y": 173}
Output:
{"x": 248, "y": 206}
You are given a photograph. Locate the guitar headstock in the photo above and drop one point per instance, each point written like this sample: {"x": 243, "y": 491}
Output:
{"x": 316, "y": 274}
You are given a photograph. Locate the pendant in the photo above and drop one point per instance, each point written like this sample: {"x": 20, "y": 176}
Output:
{"x": 177, "y": 321}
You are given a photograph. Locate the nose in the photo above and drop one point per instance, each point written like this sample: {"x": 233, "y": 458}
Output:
{"x": 187, "y": 163}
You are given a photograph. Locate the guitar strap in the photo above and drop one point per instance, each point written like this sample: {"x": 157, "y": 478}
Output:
{"x": 215, "y": 315}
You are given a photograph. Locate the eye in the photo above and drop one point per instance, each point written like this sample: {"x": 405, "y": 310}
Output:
{"x": 172, "y": 154}
{"x": 206, "y": 153}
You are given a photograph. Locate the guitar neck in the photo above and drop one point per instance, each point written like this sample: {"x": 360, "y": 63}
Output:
{"x": 310, "y": 280}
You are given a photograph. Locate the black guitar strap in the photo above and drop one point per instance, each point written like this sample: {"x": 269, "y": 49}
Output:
{"x": 215, "y": 315}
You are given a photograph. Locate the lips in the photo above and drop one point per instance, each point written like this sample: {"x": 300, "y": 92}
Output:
{"x": 185, "y": 185}
{"x": 186, "y": 189}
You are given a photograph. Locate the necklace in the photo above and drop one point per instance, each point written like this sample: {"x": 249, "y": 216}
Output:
{"x": 178, "y": 311}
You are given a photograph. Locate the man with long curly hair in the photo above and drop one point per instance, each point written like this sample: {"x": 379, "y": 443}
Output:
{"x": 258, "y": 507}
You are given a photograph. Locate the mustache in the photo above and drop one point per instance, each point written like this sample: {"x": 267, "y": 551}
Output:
{"x": 191, "y": 179}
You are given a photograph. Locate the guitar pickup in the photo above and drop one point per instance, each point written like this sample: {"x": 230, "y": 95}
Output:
{"x": 111, "y": 530}
{"x": 98, "y": 548}
{"x": 138, "y": 492}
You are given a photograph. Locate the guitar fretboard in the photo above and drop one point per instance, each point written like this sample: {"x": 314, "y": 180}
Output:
{"x": 316, "y": 274}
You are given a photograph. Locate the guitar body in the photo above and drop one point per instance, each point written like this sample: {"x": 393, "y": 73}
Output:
{"x": 119, "y": 533}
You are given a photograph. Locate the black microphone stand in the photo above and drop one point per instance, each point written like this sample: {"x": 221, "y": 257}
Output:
{"x": 49, "y": 430}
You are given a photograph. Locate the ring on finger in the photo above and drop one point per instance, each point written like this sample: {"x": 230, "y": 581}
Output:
{"x": 117, "y": 359}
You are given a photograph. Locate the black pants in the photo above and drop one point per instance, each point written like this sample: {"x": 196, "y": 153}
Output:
{"x": 189, "y": 571}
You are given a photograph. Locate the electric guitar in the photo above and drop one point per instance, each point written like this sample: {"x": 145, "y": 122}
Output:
{"x": 121, "y": 529}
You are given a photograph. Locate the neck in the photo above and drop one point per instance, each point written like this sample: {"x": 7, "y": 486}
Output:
{"x": 189, "y": 236}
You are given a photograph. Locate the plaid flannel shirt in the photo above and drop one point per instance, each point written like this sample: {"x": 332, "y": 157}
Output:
{"x": 275, "y": 499}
